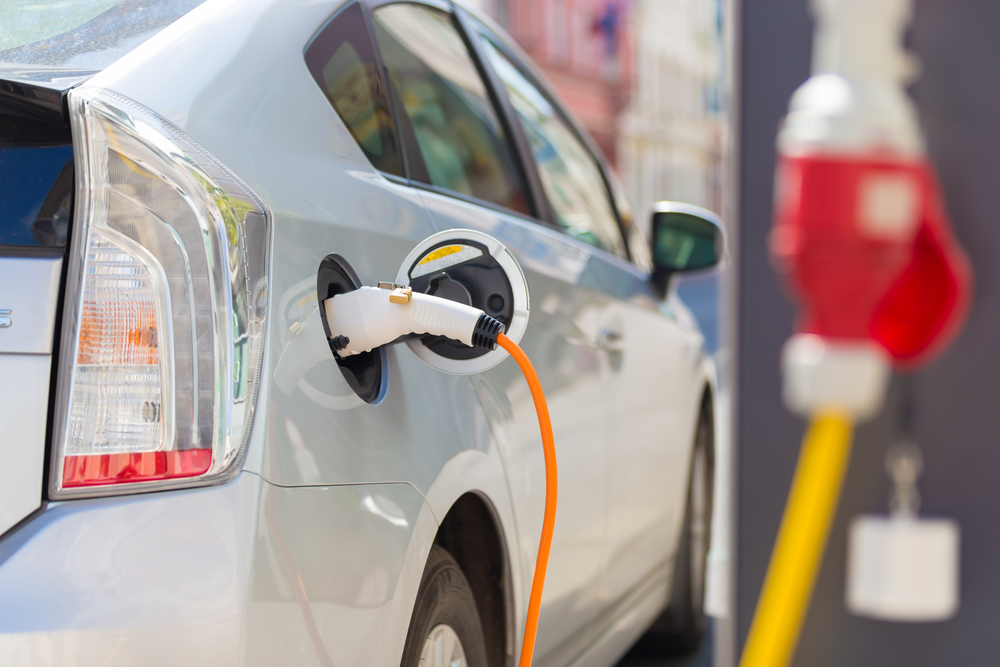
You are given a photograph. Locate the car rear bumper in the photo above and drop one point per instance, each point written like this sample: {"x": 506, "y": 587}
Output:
{"x": 157, "y": 579}
{"x": 244, "y": 573}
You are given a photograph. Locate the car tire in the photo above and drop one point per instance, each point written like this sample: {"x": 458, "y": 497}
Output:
{"x": 444, "y": 618}
{"x": 679, "y": 630}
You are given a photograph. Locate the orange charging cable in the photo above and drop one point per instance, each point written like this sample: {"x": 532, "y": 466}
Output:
{"x": 551, "y": 490}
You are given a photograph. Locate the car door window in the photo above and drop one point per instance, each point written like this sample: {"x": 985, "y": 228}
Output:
{"x": 461, "y": 142}
{"x": 342, "y": 61}
{"x": 569, "y": 173}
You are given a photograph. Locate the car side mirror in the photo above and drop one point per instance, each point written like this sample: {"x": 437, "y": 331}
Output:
{"x": 685, "y": 238}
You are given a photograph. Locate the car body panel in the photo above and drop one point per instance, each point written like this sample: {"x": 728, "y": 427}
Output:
{"x": 241, "y": 573}
{"x": 24, "y": 406}
{"x": 91, "y": 579}
{"x": 31, "y": 290}
{"x": 632, "y": 614}
{"x": 28, "y": 304}
{"x": 335, "y": 574}
{"x": 652, "y": 388}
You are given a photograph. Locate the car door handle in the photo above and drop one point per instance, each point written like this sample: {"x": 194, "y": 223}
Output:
{"x": 610, "y": 340}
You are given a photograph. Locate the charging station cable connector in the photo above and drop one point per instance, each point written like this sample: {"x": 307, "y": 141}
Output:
{"x": 369, "y": 317}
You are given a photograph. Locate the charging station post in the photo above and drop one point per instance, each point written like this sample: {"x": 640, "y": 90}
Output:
{"x": 950, "y": 402}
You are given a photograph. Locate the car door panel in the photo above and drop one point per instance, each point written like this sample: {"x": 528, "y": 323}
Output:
{"x": 650, "y": 380}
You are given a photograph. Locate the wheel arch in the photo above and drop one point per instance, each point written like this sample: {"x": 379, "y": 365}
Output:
{"x": 471, "y": 532}
{"x": 470, "y": 500}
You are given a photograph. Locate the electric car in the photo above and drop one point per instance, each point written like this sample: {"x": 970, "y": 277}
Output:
{"x": 191, "y": 475}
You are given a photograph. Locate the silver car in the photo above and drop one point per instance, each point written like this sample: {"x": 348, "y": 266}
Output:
{"x": 187, "y": 474}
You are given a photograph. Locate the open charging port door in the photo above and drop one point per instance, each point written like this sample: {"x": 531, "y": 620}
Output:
{"x": 366, "y": 372}
{"x": 475, "y": 269}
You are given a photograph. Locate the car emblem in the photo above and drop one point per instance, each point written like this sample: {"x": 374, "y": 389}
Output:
{"x": 5, "y": 318}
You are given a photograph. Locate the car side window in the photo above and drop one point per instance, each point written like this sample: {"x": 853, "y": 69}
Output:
{"x": 569, "y": 173}
{"x": 341, "y": 59}
{"x": 461, "y": 141}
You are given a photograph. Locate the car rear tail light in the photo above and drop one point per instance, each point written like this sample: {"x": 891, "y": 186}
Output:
{"x": 166, "y": 304}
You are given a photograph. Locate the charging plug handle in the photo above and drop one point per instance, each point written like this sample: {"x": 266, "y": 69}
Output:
{"x": 370, "y": 317}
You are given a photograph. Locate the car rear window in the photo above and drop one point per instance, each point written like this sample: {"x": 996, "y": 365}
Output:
{"x": 36, "y": 170}
{"x": 82, "y": 34}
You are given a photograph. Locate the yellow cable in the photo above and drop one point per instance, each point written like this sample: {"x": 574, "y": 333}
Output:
{"x": 798, "y": 551}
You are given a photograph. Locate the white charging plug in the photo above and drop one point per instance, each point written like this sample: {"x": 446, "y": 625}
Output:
{"x": 369, "y": 317}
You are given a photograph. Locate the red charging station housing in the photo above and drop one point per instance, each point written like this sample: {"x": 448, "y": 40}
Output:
{"x": 869, "y": 253}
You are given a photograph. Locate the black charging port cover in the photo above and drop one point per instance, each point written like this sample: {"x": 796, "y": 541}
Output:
{"x": 364, "y": 372}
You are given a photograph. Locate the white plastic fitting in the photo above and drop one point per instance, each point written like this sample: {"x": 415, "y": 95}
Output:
{"x": 369, "y": 319}
{"x": 820, "y": 374}
{"x": 856, "y": 102}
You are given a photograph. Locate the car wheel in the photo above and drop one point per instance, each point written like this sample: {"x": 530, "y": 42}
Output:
{"x": 681, "y": 626}
{"x": 445, "y": 627}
